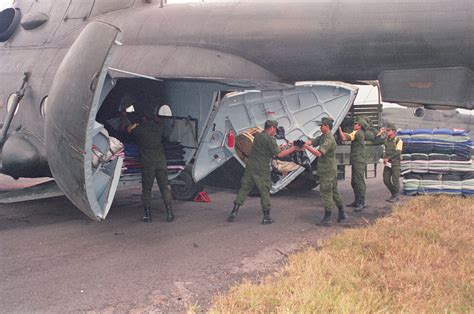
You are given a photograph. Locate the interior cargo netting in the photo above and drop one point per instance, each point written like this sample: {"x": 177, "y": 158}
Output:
{"x": 437, "y": 161}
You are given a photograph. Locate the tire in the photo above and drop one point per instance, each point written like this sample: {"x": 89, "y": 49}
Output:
{"x": 188, "y": 190}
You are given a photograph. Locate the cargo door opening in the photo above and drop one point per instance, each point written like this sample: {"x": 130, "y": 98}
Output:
{"x": 184, "y": 106}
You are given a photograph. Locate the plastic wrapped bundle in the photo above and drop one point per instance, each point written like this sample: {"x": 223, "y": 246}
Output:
{"x": 422, "y": 132}
{"x": 443, "y": 141}
{"x": 448, "y": 132}
{"x": 462, "y": 143}
{"x": 406, "y": 143}
{"x": 421, "y": 143}
{"x": 463, "y": 149}
{"x": 452, "y": 184}
{"x": 174, "y": 154}
{"x": 468, "y": 184}
{"x": 405, "y": 133}
{"x": 460, "y": 164}
{"x": 438, "y": 163}
{"x": 457, "y": 132}
{"x": 405, "y": 164}
{"x": 457, "y": 158}
{"x": 443, "y": 147}
{"x": 131, "y": 150}
{"x": 431, "y": 184}
{"x": 411, "y": 184}
{"x": 419, "y": 163}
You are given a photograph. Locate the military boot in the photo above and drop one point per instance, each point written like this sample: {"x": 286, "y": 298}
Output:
{"x": 354, "y": 203}
{"x": 267, "y": 219}
{"x": 326, "y": 221}
{"x": 360, "y": 206}
{"x": 233, "y": 213}
{"x": 147, "y": 214}
{"x": 341, "y": 214}
{"x": 169, "y": 213}
{"x": 362, "y": 201}
{"x": 393, "y": 199}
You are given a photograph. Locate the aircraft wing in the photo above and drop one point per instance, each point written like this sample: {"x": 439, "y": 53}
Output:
{"x": 39, "y": 191}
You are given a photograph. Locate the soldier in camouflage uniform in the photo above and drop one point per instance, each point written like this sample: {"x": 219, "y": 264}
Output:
{"x": 391, "y": 160}
{"x": 152, "y": 157}
{"x": 257, "y": 171}
{"x": 358, "y": 161}
{"x": 327, "y": 171}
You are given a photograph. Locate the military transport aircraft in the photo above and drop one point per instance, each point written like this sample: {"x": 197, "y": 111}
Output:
{"x": 68, "y": 66}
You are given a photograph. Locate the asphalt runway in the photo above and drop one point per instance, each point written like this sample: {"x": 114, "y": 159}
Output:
{"x": 54, "y": 259}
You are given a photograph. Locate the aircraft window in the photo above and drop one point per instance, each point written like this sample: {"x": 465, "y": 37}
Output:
{"x": 44, "y": 106}
{"x": 165, "y": 110}
{"x": 419, "y": 112}
{"x": 9, "y": 20}
{"x": 130, "y": 109}
{"x": 10, "y": 102}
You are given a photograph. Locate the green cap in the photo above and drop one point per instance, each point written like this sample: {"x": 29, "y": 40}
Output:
{"x": 363, "y": 124}
{"x": 391, "y": 127}
{"x": 273, "y": 123}
{"x": 327, "y": 121}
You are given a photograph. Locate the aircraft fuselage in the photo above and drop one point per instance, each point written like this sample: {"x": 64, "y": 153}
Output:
{"x": 240, "y": 44}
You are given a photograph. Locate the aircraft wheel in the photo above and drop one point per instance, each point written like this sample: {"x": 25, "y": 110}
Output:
{"x": 185, "y": 188}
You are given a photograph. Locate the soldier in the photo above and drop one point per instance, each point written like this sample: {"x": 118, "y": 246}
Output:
{"x": 257, "y": 171}
{"x": 152, "y": 158}
{"x": 358, "y": 161}
{"x": 391, "y": 160}
{"x": 327, "y": 171}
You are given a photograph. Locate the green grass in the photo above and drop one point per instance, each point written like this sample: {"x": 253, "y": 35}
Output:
{"x": 418, "y": 259}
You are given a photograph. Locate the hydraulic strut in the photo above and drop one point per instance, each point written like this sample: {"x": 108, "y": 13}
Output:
{"x": 18, "y": 96}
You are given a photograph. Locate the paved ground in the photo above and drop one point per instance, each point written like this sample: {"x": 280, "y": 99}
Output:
{"x": 54, "y": 259}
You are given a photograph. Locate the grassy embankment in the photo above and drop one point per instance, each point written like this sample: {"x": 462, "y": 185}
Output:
{"x": 418, "y": 259}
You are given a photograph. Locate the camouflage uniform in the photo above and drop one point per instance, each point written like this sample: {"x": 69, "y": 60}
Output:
{"x": 257, "y": 172}
{"x": 327, "y": 171}
{"x": 391, "y": 175}
{"x": 153, "y": 160}
{"x": 358, "y": 162}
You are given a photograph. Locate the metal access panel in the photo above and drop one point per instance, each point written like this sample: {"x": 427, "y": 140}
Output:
{"x": 451, "y": 87}
{"x": 299, "y": 110}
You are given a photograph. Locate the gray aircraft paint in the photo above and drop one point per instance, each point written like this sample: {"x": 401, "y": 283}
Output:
{"x": 240, "y": 44}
